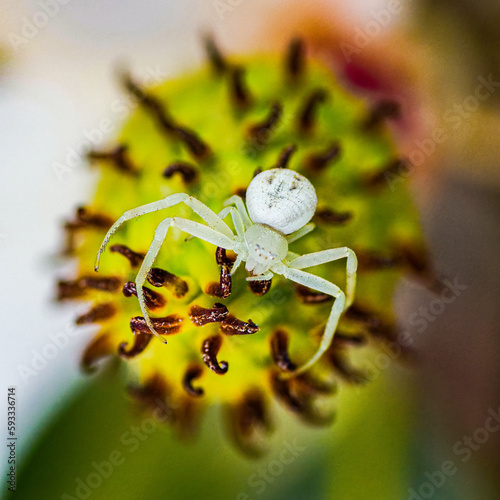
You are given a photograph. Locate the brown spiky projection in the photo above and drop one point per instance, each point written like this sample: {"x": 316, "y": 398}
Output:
{"x": 207, "y": 134}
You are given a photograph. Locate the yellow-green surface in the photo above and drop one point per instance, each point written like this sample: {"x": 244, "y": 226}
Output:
{"x": 201, "y": 102}
{"x": 363, "y": 455}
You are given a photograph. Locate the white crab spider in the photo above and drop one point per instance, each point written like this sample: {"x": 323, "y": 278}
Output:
{"x": 280, "y": 204}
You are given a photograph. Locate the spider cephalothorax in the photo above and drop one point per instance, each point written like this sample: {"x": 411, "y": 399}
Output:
{"x": 280, "y": 202}
{"x": 201, "y": 139}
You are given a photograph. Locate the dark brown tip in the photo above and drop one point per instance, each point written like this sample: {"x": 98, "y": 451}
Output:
{"x": 318, "y": 162}
{"x": 417, "y": 262}
{"x": 159, "y": 277}
{"x": 285, "y": 156}
{"x": 308, "y": 385}
{"x": 193, "y": 143}
{"x": 308, "y": 296}
{"x": 260, "y": 133}
{"x": 260, "y": 287}
{"x": 329, "y": 216}
{"x": 395, "y": 169}
{"x": 222, "y": 258}
{"x": 150, "y": 104}
{"x": 295, "y": 59}
{"x": 209, "y": 350}
{"x": 282, "y": 388}
{"x": 307, "y": 115}
{"x": 169, "y": 325}
{"x": 68, "y": 290}
{"x": 222, "y": 289}
{"x": 371, "y": 261}
{"x": 152, "y": 299}
{"x": 188, "y": 414}
{"x": 192, "y": 373}
{"x": 201, "y": 316}
{"x": 141, "y": 341}
{"x": 249, "y": 418}
{"x": 187, "y": 171}
{"x": 380, "y": 330}
{"x": 241, "y": 192}
{"x": 240, "y": 94}
{"x": 413, "y": 260}
{"x": 214, "y": 55}
{"x": 339, "y": 361}
{"x": 381, "y": 111}
{"x": 279, "y": 351}
{"x": 109, "y": 284}
{"x": 134, "y": 258}
{"x": 233, "y": 326}
{"x": 85, "y": 218}
{"x": 155, "y": 394}
{"x": 298, "y": 396}
{"x": 98, "y": 313}
{"x": 364, "y": 316}
{"x": 117, "y": 157}
{"x": 72, "y": 289}
{"x": 101, "y": 347}
{"x": 343, "y": 339}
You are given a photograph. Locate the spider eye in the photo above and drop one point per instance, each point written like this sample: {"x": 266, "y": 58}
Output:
{"x": 282, "y": 199}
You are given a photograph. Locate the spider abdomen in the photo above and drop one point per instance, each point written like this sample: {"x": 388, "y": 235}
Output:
{"x": 282, "y": 199}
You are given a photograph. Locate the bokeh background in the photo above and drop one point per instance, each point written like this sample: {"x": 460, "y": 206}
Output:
{"x": 57, "y": 83}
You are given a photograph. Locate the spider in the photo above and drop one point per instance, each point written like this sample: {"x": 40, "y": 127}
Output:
{"x": 279, "y": 205}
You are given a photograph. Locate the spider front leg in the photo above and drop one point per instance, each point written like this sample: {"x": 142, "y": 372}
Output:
{"x": 209, "y": 216}
{"x": 240, "y": 206}
{"x": 236, "y": 216}
{"x": 321, "y": 285}
{"x": 317, "y": 258}
{"x": 268, "y": 275}
{"x": 300, "y": 232}
{"x": 193, "y": 228}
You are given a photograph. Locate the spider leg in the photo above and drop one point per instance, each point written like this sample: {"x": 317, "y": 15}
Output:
{"x": 261, "y": 277}
{"x": 236, "y": 216}
{"x": 300, "y": 232}
{"x": 320, "y": 284}
{"x": 191, "y": 227}
{"x": 237, "y": 262}
{"x": 200, "y": 208}
{"x": 240, "y": 206}
{"x": 316, "y": 258}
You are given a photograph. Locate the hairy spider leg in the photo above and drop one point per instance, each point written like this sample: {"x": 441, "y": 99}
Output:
{"x": 261, "y": 277}
{"x": 237, "y": 220}
{"x": 191, "y": 227}
{"x": 240, "y": 206}
{"x": 209, "y": 216}
{"x": 300, "y": 232}
{"x": 324, "y": 256}
{"x": 321, "y": 285}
